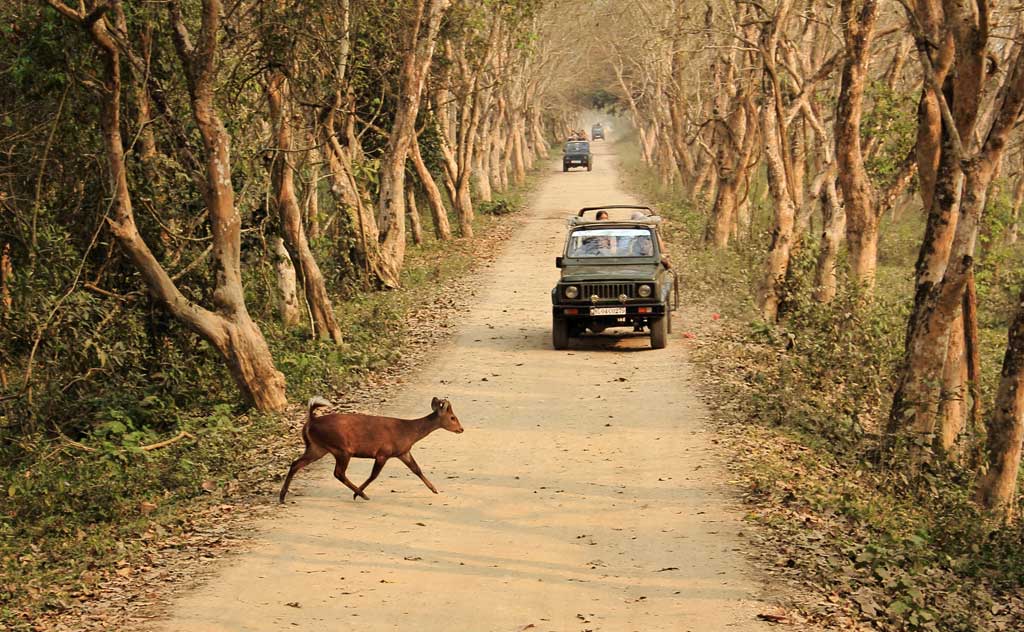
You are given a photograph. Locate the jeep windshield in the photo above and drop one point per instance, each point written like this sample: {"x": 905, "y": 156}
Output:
{"x": 577, "y": 148}
{"x": 597, "y": 243}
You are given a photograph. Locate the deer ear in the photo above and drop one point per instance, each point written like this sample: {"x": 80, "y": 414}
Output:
{"x": 435, "y": 403}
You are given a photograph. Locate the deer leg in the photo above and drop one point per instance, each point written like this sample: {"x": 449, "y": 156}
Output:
{"x": 378, "y": 465}
{"x": 340, "y": 465}
{"x": 311, "y": 454}
{"x": 411, "y": 462}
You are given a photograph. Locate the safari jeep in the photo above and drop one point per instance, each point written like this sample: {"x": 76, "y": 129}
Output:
{"x": 614, "y": 274}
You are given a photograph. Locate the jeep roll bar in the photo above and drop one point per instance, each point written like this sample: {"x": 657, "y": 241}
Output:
{"x": 649, "y": 210}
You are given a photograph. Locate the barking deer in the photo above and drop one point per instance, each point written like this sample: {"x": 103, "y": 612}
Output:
{"x": 367, "y": 437}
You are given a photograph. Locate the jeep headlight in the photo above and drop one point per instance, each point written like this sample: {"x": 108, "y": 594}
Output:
{"x": 572, "y": 292}
{"x": 644, "y": 291}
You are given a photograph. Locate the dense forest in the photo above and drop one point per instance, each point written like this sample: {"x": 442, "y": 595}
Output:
{"x": 209, "y": 208}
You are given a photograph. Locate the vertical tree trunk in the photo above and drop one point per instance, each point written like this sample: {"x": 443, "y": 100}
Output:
{"x": 483, "y": 161}
{"x": 834, "y": 224}
{"x": 998, "y": 485}
{"x": 414, "y": 216}
{"x": 424, "y": 20}
{"x": 776, "y": 155}
{"x": 439, "y": 214}
{"x": 321, "y": 311}
{"x": 286, "y": 284}
{"x": 858, "y": 196}
{"x": 311, "y": 209}
{"x": 1013, "y": 230}
{"x": 952, "y": 409}
{"x": 243, "y": 345}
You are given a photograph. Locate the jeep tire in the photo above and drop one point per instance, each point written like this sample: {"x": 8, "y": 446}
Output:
{"x": 589, "y": 166}
{"x": 559, "y": 333}
{"x": 659, "y": 332}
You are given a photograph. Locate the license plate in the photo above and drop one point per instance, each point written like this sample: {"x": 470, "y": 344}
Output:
{"x": 607, "y": 311}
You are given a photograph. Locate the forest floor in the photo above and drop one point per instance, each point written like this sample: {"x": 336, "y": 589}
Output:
{"x": 587, "y": 493}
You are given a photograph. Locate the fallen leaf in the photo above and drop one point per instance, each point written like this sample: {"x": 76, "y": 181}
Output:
{"x": 293, "y": 604}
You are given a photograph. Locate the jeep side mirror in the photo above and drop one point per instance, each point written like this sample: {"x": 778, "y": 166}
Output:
{"x": 558, "y": 262}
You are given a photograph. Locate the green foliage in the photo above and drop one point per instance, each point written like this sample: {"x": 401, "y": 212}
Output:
{"x": 890, "y": 119}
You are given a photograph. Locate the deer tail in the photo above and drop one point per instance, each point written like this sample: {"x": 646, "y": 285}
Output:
{"x": 314, "y": 403}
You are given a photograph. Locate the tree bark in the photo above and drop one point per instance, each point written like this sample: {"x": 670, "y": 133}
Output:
{"x": 415, "y": 228}
{"x": 858, "y": 196}
{"x": 952, "y": 409}
{"x": 283, "y": 174}
{"x": 776, "y": 155}
{"x": 834, "y": 226}
{"x": 997, "y": 487}
{"x": 419, "y": 38}
{"x": 286, "y": 284}
{"x": 438, "y": 212}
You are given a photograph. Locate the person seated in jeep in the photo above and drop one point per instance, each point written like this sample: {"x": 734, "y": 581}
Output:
{"x": 597, "y": 246}
{"x": 642, "y": 247}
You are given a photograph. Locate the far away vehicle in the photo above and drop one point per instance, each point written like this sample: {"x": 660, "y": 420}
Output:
{"x": 614, "y": 274}
{"x": 597, "y": 131}
{"x": 576, "y": 154}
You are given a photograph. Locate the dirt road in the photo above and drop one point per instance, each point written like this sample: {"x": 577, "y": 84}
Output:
{"x": 585, "y": 494}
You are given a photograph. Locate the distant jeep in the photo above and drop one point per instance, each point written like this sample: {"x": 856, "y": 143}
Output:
{"x": 597, "y": 132}
{"x": 576, "y": 154}
{"x": 614, "y": 274}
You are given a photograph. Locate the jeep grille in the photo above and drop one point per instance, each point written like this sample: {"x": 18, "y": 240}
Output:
{"x": 606, "y": 290}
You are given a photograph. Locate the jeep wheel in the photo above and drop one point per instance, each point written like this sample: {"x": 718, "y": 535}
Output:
{"x": 659, "y": 333}
{"x": 589, "y": 166}
{"x": 560, "y": 333}
{"x": 565, "y": 167}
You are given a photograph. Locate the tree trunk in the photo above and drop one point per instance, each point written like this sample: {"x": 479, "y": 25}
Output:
{"x": 858, "y": 196}
{"x": 442, "y": 229}
{"x": 312, "y": 202}
{"x": 321, "y": 311}
{"x": 229, "y": 329}
{"x": 1013, "y": 230}
{"x": 936, "y": 305}
{"x": 286, "y": 284}
{"x": 243, "y": 344}
{"x": 776, "y": 155}
{"x": 424, "y": 19}
{"x": 414, "y": 216}
{"x": 952, "y": 411}
{"x": 483, "y": 161}
{"x": 834, "y": 225}
{"x": 998, "y": 485}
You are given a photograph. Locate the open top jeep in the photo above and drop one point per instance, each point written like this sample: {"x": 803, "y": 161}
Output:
{"x": 614, "y": 274}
